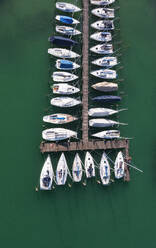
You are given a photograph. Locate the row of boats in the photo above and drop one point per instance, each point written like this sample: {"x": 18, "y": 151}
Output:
{"x": 47, "y": 176}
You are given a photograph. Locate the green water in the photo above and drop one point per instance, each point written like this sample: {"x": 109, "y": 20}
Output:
{"x": 122, "y": 215}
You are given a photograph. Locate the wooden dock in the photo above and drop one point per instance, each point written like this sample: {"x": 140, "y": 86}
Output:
{"x": 85, "y": 144}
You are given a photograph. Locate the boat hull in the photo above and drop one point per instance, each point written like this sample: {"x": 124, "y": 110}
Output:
{"x": 67, "y": 7}
{"x": 56, "y": 134}
{"x": 102, "y": 2}
{"x": 59, "y": 118}
{"x": 89, "y": 166}
{"x": 62, "y": 53}
{"x": 103, "y": 25}
{"x": 105, "y": 87}
{"x": 102, "y": 123}
{"x": 77, "y": 169}
{"x": 109, "y": 134}
{"x": 47, "y": 174}
{"x": 102, "y": 36}
{"x": 104, "y": 170}
{"x": 66, "y": 30}
{"x": 104, "y": 13}
{"x": 64, "y": 102}
{"x": 61, "y": 171}
{"x": 119, "y": 166}
{"x": 61, "y": 41}
{"x": 107, "y": 99}
{"x": 105, "y": 74}
{"x": 64, "y": 89}
{"x": 66, "y": 65}
{"x": 67, "y": 19}
{"x": 62, "y": 76}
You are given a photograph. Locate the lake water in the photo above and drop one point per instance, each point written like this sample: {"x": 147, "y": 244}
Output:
{"x": 122, "y": 215}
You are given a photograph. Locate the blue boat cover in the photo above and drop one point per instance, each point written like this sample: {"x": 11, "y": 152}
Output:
{"x": 61, "y": 41}
{"x": 66, "y": 64}
{"x": 107, "y": 98}
{"x": 66, "y": 19}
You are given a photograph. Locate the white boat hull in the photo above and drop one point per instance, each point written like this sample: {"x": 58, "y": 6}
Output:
{"x": 63, "y": 53}
{"x": 77, "y": 169}
{"x": 107, "y": 62}
{"x": 89, "y": 166}
{"x": 105, "y": 74}
{"x": 119, "y": 166}
{"x": 66, "y": 30}
{"x": 104, "y": 170}
{"x": 103, "y": 25}
{"x": 102, "y": 123}
{"x": 58, "y": 18}
{"x": 102, "y": 36}
{"x": 58, "y": 66}
{"x": 104, "y": 13}
{"x": 67, "y": 7}
{"x": 62, "y": 76}
{"x": 61, "y": 171}
{"x": 103, "y": 49}
{"x": 47, "y": 174}
{"x": 105, "y": 87}
{"x": 109, "y": 134}
{"x": 64, "y": 102}
{"x": 102, "y": 2}
{"x": 64, "y": 89}
{"x": 59, "y": 118}
{"x": 56, "y": 134}
{"x": 101, "y": 112}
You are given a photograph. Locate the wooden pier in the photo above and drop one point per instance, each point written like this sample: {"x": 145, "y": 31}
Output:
{"x": 85, "y": 144}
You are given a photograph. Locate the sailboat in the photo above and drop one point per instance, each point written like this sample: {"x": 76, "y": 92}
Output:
{"x": 47, "y": 174}
{"x": 107, "y": 99}
{"x": 103, "y": 123}
{"x": 66, "y": 30}
{"x": 105, "y": 86}
{"x": 105, "y": 25}
{"x": 65, "y": 89}
{"x": 61, "y": 171}
{"x": 64, "y": 102}
{"x": 105, "y": 74}
{"x": 102, "y": 2}
{"x": 106, "y": 62}
{"x": 102, "y": 49}
{"x": 104, "y": 13}
{"x": 62, "y": 41}
{"x": 67, "y": 7}
{"x": 66, "y": 19}
{"x": 59, "y": 118}
{"x": 119, "y": 166}
{"x": 109, "y": 134}
{"x": 64, "y": 64}
{"x": 89, "y": 165}
{"x": 56, "y": 134}
{"x": 101, "y": 112}
{"x": 63, "y": 76}
{"x": 104, "y": 170}
{"x": 102, "y": 36}
{"x": 77, "y": 168}
{"x": 63, "y": 53}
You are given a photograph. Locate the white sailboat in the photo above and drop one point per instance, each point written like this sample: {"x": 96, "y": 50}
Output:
{"x": 63, "y": 53}
{"x": 77, "y": 168}
{"x": 65, "y": 89}
{"x": 109, "y": 134}
{"x": 89, "y": 165}
{"x": 61, "y": 171}
{"x": 56, "y": 134}
{"x": 106, "y": 62}
{"x": 104, "y": 13}
{"x": 63, "y": 76}
{"x": 59, "y": 118}
{"x": 104, "y": 170}
{"x": 102, "y": 2}
{"x": 105, "y": 86}
{"x": 47, "y": 174}
{"x": 66, "y": 30}
{"x": 119, "y": 166}
{"x": 105, "y": 74}
{"x": 67, "y": 7}
{"x": 103, "y": 25}
{"x": 103, "y": 123}
{"x": 102, "y": 49}
{"x": 102, "y": 36}
{"x": 64, "y": 102}
{"x": 66, "y": 19}
{"x": 101, "y": 112}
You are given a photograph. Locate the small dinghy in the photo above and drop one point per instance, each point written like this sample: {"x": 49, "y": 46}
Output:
{"x": 101, "y": 36}
{"x": 105, "y": 86}
{"x": 66, "y": 30}
{"x": 107, "y": 99}
{"x": 105, "y": 25}
{"x": 64, "y": 102}
{"x": 104, "y": 170}
{"x": 59, "y": 118}
{"x": 102, "y": 49}
{"x": 61, "y": 171}
{"x": 66, "y": 65}
{"x": 119, "y": 166}
{"x": 66, "y": 19}
{"x": 103, "y": 123}
{"x": 63, "y": 53}
{"x": 102, "y": 2}
{"x": 61, "y": 41}
{"x": 106, "y": 62}
{"x": 101, "y": 112}
{"x": 104, "y": 13}
{"x": 47, "y": 174}
{"x": 77, "y": 168}
{"x": 56, "y": 134}
{"x": 89, "y": 165}
{"x": 67, "y": 7}
{"x": 64, "y": 89}
{"x": 63, "y": 76}
{"x": 105, "y": 74}
{"x": 109, "y": 134}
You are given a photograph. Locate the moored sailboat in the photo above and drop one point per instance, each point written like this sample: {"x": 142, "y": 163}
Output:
{"x": 104, "y": 170}
{"x": 102, "y": 36}
{"x": 63, "y": 64}
{"x": 104, "y": 13}
{"x": 61, "y": 171}
{"x": 105, "y": 86}
{"x": 109, "y": 134}
{"x": 103, "y": 123}
{"x": 64, "y": 89}
{"x": 63, "y": 76}
{"x": 59, "y": 118}
{"x": 119, "y": 166}
{"x": 66, "y": 30}
{"x": 62, "y": 53}
{"x": 47, "y": 174}
{"x": 66, "y": 19}
{"x": 64, "y": 102}
{"x": 77, "y": 169}
{"x": 67, "y": 7}
{"x": 89, "y": 165}
{"x": 101, "y": 112}
{"x": 56, "y": 134}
